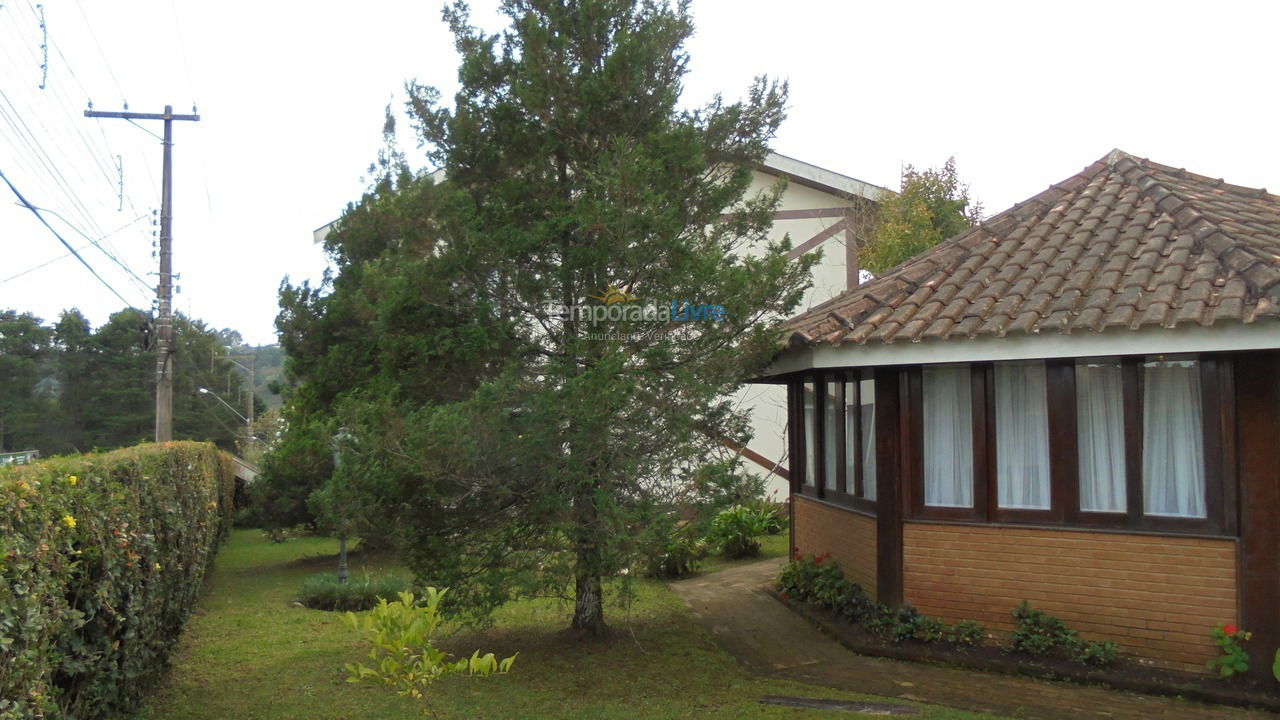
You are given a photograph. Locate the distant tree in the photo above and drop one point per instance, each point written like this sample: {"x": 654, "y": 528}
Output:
{"x": 24, "y": 343}
{"x": 520, "y": 450}
{"x": 932, "y": 206}
{"x": 73, "y": 350}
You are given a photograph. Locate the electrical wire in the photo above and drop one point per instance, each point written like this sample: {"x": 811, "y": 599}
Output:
{"x": 82, "y": 247}
{"x": 67, "y": 245}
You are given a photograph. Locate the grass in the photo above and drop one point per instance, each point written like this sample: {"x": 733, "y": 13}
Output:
{"x": 250, "y": 653}
{"x": 772, "y": 546}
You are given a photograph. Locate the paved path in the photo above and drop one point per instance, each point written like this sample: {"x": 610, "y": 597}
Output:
{"x": 770, "y": 639}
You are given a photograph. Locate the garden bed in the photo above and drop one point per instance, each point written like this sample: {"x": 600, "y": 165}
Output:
{"x": 1125, "y": 674}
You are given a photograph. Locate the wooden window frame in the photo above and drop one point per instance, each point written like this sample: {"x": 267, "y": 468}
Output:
{"x": 845, "y": 492}
{"x": 1218, "y": 428}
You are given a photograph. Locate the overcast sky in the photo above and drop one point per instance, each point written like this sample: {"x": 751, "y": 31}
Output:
{"x": 292, "y": 96}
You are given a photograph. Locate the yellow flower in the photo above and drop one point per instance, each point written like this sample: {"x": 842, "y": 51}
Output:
{"x": 157, "y": 566}
{"x": 73, "y": 480}
{"x": 69, "y": 521}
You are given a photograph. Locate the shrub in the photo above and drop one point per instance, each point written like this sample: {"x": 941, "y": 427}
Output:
{"x": 818, "y": 579}
{"x": 1037, "y": 632}
{"x": 101, "y": 560}
{"x": 1089, "y": 652}
{"x": 737, "y": 531}
{"x": 324, "y": 592}
{"x": 680, "y": 556}
{"x": 966, "y": 632}
{"x": 1234, "y": 659}
{"x": 400, "y": 634}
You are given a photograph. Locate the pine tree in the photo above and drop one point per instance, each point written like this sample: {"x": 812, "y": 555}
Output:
{"x": 521, "y": 445}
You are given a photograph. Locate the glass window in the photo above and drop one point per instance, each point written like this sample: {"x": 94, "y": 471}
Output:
{"x": 1172, "y": 438}
{"x": 810, "y": 430}
{"x": 851, "y": 436}
{"x": 1100, "y": 433}
{"x": 1022, "y": 435}
{"x": 832, "y": 431}
{"x": 948, "y": 436}
{"x": 867, "y": 400}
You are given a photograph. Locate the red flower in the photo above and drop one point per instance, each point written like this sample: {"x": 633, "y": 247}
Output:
{"x": 818, "y": 560}
{"x": 786, "y": 596}
{"x": 1231, "y": 630}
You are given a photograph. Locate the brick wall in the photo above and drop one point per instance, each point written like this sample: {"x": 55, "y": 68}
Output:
{"x": 1158, "y": 597}
{"x": 850, "y": 538}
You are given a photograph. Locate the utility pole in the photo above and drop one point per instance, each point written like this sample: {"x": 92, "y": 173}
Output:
{"x": 164, "y": 291}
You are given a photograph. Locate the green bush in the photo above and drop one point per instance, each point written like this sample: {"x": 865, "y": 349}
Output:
{"x": 1038, "y": 632}
{"x": 101, "y": 560}
{"x": 737, "y": 531}
{"x": 324, "y": 592}
{"x": 680, "y": 556}
{"x": 818, "y": 579}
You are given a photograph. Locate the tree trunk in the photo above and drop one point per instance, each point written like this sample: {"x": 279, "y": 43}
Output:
{"x": 588, "y": 608}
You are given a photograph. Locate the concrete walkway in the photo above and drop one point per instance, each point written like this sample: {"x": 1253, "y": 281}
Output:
{"x": 772, "y": 640}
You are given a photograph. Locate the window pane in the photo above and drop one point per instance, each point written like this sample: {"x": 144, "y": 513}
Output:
{"x": 810, "y": 427}
{"x": 948, "y": 436}
{"x": 1172, "y": 439}
{"x": 850, "y": 436}
{"x": 868, "y": 417}
{"x": 1100, "y": 429}
{"x": 1022, "y": 435}
{"x": 831, "y": 443}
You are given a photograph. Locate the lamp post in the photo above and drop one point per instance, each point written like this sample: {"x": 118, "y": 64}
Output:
{"x": 248, "y": 423}
{"x": 341, "y": 440}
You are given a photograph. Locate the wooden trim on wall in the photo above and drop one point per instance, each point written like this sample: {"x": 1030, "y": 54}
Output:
{"x": 1257, "y": 400}
{"x": 755, "y": 457}
{"x": 821, "y": 237}
{"x": 892, "y": 451}
{"x": 852, "y": 261}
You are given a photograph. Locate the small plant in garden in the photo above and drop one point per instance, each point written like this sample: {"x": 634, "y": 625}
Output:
{"x": 1090, "y": 652}
{"x": 681, "y": 556}
{"x": 737, "y": 530}
{"x": 1234, "y": 659}
{"x": 1038, "y": 632}
{"x": 965, "y": 632}
{"x": 324, "y": 592}
{"x": 400, "y": 635}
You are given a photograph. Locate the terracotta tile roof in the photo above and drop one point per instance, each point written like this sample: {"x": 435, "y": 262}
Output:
{"x": 1126, "y": 243}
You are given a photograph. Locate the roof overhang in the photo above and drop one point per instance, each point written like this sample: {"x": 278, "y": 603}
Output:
{"x": 803, "y": 173}
{"x": 1262, "y": 335}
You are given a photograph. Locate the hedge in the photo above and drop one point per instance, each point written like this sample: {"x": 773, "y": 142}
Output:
{"x": 101, "y": 562}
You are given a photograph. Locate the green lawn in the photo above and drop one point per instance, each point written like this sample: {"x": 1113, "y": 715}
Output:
{"x": 249, "y": 653}
{"x": 772, "y": 546}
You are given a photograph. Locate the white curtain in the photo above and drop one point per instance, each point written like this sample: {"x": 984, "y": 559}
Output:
{"x": 810, "y": 428}
{"x": 850, "y": 434}
{"x": 1100, "y": 429}
{"x": 830, "y": 444}
{"x": 868, "y": 400}
{"x": 1022, "y": 436}
{"x": 948, "y": 436}
{"x": 1172, "y": 439}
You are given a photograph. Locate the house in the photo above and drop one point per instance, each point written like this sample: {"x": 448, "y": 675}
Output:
{"x": 1075, "y": 403}
{"x": 822, "y": 211}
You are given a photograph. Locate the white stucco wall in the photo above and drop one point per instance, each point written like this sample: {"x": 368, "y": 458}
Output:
{"x": 768, "y": 403}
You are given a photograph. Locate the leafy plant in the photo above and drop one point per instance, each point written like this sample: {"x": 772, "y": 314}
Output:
{"x": 323, "y": 591}
{"x": 400, "y": 635}
{"x": 1091, "y": 652}
{"x": 1234, "y": 659}
{"x": 738, "y": 530}
{"x": 101, "y": 561}
{"x": 1037, "y": 632}
{"x": 1275, "y": 667}
{"x": 681, "y": 556}
{"x": 965, "y": 632}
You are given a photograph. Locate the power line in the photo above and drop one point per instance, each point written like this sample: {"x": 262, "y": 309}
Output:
{"x": 67, "y": 255}
{"x": 67, "y": 245}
